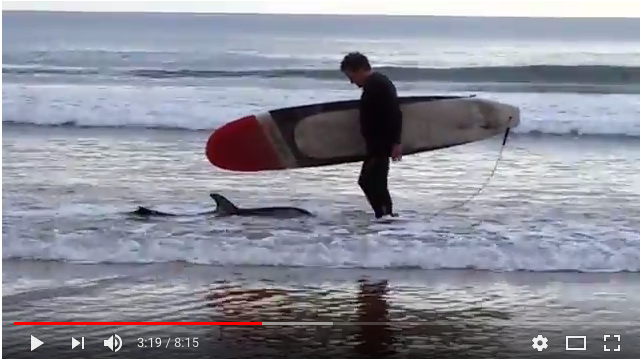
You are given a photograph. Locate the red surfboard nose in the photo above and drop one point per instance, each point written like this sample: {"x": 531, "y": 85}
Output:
{"x": 242, "y": 145}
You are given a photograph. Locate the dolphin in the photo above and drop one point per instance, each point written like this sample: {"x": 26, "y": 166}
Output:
{"x": 225, "y": 208}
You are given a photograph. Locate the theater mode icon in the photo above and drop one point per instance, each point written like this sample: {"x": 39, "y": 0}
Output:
{"x": 575, "y": 343}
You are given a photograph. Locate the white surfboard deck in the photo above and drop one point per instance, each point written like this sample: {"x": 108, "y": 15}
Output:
{"x": 328, "y": 133}
{"x": 426, "y": 125}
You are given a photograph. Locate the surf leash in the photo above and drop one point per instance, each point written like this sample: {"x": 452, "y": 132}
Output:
{"x": 486, "y": 182}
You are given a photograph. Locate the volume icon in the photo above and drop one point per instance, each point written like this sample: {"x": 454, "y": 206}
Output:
{"x": 114, "y": 343}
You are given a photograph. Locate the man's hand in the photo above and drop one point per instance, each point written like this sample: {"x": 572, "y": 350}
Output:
{"x": 396, "y": 152}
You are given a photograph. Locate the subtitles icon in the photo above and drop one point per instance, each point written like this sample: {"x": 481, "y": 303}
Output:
{"x": 610, "y": 338}
{"x": 575, "y": 344}
{"x": 113, "y": 344}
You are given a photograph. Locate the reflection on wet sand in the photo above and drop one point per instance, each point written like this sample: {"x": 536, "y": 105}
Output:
{"x": 362, "y": 321}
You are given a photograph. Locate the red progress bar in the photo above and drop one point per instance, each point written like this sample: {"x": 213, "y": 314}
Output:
{"x": 137, "y": 323}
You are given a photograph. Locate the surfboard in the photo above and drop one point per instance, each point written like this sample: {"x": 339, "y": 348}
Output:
{"x": 328, "y": 133}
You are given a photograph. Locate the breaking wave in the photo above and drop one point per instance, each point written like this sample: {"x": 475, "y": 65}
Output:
{"x": 553, "y": 74}
{"x": 611, "y": 75}
{"x": 540, "y": 128}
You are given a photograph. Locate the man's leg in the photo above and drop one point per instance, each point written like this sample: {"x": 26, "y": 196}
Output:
{"x": 367, "y": 182}
{"x": 383, "y": 186}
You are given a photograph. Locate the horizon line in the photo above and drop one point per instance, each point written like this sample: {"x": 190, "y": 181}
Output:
{"x": 316, "y": 14}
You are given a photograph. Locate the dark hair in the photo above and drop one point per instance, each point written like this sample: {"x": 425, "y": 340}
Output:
{"x": 355, "y": 61}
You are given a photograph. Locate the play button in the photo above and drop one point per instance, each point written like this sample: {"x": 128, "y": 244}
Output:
{"x": 35, "y": 343}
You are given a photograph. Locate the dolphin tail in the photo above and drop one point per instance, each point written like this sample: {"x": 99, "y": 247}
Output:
{"x": 223, "y": 204}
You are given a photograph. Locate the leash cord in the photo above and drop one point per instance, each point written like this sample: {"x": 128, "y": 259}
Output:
{"x": 484, "y": 185}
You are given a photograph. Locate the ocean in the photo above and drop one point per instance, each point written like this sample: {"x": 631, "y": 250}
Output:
{"x": 103, "y": 112}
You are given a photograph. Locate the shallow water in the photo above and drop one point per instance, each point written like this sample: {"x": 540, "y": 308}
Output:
{"x": 555, "y": 204}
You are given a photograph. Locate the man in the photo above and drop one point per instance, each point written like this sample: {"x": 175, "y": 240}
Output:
{"x": 381, "y": 128}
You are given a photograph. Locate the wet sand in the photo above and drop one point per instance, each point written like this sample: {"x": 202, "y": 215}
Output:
{"x": 383, "y": 313}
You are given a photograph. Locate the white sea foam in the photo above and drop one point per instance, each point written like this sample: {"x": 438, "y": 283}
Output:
{"x": 374, "y": 251}
{"x": 206, "y": 108}
{"x": 410, "y": 243}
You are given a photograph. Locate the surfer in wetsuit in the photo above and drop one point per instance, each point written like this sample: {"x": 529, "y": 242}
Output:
{"x": 381, "y": 128}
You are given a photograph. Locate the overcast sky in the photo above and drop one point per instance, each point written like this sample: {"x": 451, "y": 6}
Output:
{"x": 554, "y": 8}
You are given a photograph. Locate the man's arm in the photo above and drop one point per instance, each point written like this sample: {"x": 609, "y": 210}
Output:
{"x": 383, "y": 114}
{"x": 395, "y": 120}
{"x": 393, "y": 114}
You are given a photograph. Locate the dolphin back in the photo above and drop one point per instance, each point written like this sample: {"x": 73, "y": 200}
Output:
{"x": 277, "y": 212}
{"x": 226, "y": 207}
{"x": 223, "y": 205}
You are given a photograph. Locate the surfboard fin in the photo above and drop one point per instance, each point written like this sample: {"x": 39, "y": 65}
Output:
{"x": 223, "y": 204}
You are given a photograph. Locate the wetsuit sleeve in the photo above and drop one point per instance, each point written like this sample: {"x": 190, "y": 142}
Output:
{"x": 393, "y": 113}
{"x": 395, "y": 119}
{"x": 381, "y": 117}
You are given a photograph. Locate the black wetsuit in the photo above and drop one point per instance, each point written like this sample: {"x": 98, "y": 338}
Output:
{"x": 381, "y": 128}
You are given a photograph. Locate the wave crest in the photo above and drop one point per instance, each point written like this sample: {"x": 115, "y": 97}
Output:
{"x": 553, "y": 74}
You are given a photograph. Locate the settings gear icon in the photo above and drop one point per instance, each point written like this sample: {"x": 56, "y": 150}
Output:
{"x": 540, "y": 343}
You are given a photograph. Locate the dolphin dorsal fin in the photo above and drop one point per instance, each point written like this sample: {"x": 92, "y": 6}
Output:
{"x": 223, "y": 204}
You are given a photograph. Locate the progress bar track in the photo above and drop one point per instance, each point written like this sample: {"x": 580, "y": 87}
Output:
{"x": 309, "y": 323}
